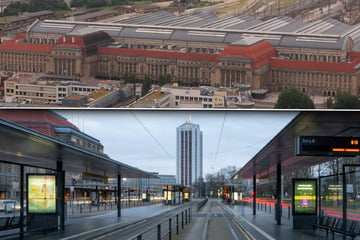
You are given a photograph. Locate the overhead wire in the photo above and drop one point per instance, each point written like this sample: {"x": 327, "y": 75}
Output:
{"x": 219, "y": 139}
{"x": 153, "y": 137}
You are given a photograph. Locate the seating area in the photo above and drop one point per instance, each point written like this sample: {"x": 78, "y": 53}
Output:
{"x": 10, "y": 222}
{"x": 335, "y": 225}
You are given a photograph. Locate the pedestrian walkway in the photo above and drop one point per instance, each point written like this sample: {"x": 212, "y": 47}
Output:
{"x": 80, "y": 226}
{"x": 263, "y": 225}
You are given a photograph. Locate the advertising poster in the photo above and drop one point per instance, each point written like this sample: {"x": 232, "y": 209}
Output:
{"x": 304, "y": 201}
{"x": 41, "y": 193}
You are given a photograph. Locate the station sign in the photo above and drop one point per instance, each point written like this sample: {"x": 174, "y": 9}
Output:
{"x": 41, "y": 193}
{"x": 305, "y": 196}
{"x": 327, "y": 146}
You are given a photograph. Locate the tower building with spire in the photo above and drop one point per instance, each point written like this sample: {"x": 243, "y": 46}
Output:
{"x": 189, "y": 157}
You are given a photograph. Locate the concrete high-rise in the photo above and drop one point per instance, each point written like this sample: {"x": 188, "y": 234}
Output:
{"x": 189, "y": 157}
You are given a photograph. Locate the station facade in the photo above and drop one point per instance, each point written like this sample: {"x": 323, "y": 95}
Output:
{"x": 274, "y": 55}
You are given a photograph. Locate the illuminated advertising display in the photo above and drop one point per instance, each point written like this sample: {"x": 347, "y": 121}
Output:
{"x": 305, "y": 196}
{"x": 41, "y": 191}
{"x": 186, "y": 196}
{"x": 167, "y": 195}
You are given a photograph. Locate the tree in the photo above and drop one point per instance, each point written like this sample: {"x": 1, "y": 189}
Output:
{"x": 96, "y": 3}
{"x": 345, "y": 100}
{"x": 77, "y": 3}
{"x": 35, "y": 6}
{"x": 164, "y": 79}
{"x": 219, "y": 179}
{"x": 146, "y": 86}
{"x": 14, "y": 9}
{"x": 292, "y": 98}
{"x": 330, "y": 103}
{"x": 131, "y": 79}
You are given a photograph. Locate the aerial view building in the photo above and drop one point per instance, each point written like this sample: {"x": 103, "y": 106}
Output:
{"x": 319, "y": 58}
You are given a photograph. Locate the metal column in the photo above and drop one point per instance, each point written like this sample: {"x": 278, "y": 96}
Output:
{"x": 278, "y": 193}
{"x": 254, "y": 194}
{"x": 119, "y": 195}
{"x": 22, "y": 201}
{"x": 60, "y": 191}
{"x": 344, "y": 203}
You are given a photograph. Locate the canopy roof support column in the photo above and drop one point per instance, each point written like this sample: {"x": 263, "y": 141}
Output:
{"x": 22, "y": 191}
{"x": 119, "y": 195}
{"x": 254, "y": 188}
{"x": 278, "y": 193}
{"x": 60, "y": 191}
{"x": 344, "y": 201}
{"x": 254, "y": 194}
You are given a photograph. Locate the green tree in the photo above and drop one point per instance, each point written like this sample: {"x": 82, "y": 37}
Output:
{"x": 146, "y": 86}
{"x": 293, "y": 98}
{"x": 78, "y": 3}
{"x": 96, "y": 3}
{"x": 164, "y": 79}
{"x": 330, "y": 103}
{"x": 39, "y": 5}
{"x": 14, "y": 9}
{"x": 34, "y": 6}
{"x": 345, "y": 100}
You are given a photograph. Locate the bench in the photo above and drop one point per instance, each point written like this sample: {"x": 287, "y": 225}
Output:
{"x": 325, "y": 222}
{"x": 352, "y": 229}
{"x": 7, "y": 223}
{"x": 4, "y": 223}
{"x": 335, "y": 225}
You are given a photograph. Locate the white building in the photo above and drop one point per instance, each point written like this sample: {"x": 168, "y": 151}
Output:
{"x": 189, "y": 157}
{"x": 42, "y": 90}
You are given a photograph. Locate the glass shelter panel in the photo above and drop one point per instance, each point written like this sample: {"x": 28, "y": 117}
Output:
{"x": 352, "y": 180}
{"x": 331, "y": 195}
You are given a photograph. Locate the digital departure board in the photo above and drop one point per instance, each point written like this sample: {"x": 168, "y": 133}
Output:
{"x": 327, "y": 146}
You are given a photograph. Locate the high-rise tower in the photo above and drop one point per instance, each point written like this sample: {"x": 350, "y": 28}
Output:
{"x": 189, "y": 157}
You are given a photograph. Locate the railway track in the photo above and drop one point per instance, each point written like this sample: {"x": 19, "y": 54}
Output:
{"x": 213, "y": 222}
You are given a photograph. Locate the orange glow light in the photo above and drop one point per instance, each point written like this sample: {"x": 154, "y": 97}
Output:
{"x": 346, "y": 150}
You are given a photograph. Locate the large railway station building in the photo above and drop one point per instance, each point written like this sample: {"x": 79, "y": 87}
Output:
{"x": 319, "y": 58}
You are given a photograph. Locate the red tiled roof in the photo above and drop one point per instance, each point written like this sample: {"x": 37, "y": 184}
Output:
{"x": 73, "y": 41}
{"x": 42, "y": 121}
{"x": 25, "y": 47}
{"x": 259, "y": 53}
{"x": 68, "y": 45}
{"x": 157, "y": 54}
{"x": 314, "y": 66}
{"x": 354, "y": 55}
{"x": 19, "y": 36}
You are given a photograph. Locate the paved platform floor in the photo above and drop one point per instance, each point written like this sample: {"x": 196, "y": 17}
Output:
{"x": 264, "y": 226}
{"x": 261, "y": 226}
{"x": 81, "y": 226}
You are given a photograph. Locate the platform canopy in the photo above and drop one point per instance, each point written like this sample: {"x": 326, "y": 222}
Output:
{"x": 282, "y": 146}
{"x": 23, "y": 146}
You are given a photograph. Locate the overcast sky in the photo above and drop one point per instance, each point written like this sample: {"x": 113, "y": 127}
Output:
{"x": 147, "y": 139}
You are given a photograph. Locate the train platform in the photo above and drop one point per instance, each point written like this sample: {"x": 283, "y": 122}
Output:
{"x": 263, "y": 226}
{"x": 84, "y": 226}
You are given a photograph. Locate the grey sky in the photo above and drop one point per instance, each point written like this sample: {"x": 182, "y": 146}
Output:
{"x": 147, "y": 139}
